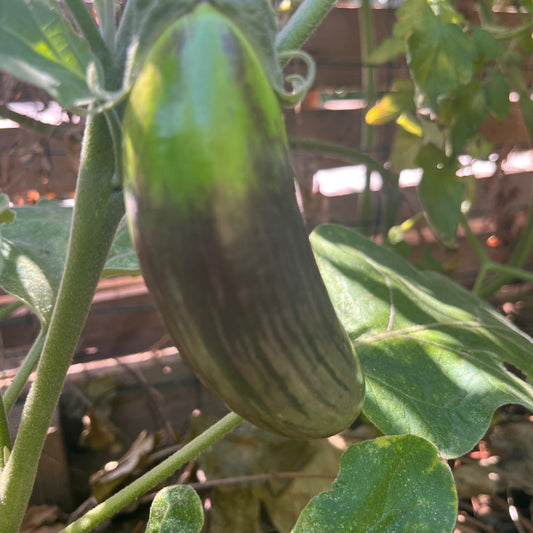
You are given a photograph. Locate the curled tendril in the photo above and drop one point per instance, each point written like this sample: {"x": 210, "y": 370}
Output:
{"x": 299, "y": 84}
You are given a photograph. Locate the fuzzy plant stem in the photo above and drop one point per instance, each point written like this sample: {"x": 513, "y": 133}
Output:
{"x": 156, "y": 475}
{"x": 302, "y": 24}
{"x": 23, "y": 373}
{"x": 89, "y": 29}
{"x": 97, "y": 213}
{"x": 5, "y": 438}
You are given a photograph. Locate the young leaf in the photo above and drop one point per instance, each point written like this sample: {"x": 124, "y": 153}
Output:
{"x": 441, "y": 192}
{"x": 434, "y": 355}
{"x": 38, "y": 46}
{"x": 386, "y": 485}
{"x": 440, "y": 58}
{"x": 497, "y": 95}
{"x": 485, "y": 44}
{"x": 439, "y": 54}
{"x": 33, "y": 252}
{"x": 174, "y": 509}
{"x": 7, "y": 216}
{"x": 389, "y": 49}
{"x": 469, "y": 109}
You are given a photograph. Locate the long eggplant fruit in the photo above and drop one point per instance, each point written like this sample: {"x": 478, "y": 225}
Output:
{"x": 211, "y": 206}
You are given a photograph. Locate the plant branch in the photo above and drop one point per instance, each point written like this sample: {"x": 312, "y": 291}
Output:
{"x": 344, "y": 152}
{"x": 518, "y": 258}
{"x": 155, "y": 476}
{"x": 48, "y": 130}
{"x": 366, "y": 39}
{"x": 484, "y": 260}
{"x": 511, "y": 272}
{"x": 302, "y": 24}
{"x": 9, "y": 309}
{"x": 97, "y": 213}
{"x": 106, "y": 17}
{"x": 258, "y": 478}
{"x": 366, "y": 30}
{"x": 5, "y": 438}
{"x": 24, "y": 372}
{"x": 508, "y": 271}
{"x": 88, "y": 27}
{"x": 472, "y": 239}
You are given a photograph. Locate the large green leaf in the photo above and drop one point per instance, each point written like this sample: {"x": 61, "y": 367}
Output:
{"x": 176, "y": 509}
{"x": 33, "y": 251}
{"x": 435, "y": 356}
{"x": 386, "y": 485}
{"x": 38, "y": 46}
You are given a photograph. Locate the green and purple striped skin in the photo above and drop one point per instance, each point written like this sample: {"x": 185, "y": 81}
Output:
{"x": 211, "y": 206}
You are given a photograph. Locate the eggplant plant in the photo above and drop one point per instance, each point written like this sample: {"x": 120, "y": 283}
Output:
{"x": 185, "y": 150}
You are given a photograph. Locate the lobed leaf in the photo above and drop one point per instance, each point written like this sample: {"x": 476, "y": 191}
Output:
{"x": 439, "y": 54}
{"x": 436, "y": 357}
{"x": 440, "y": 58}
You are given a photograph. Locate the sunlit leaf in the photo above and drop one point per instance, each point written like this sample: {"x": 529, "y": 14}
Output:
{"x": 176, "y": 509}
{"x": 386, "y": 485}
{"x": 435, "y": 356}
{"x": 439, "y": 54}
{"x": 440, "y": 58}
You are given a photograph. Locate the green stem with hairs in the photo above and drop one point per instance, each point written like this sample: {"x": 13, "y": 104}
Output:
{"x": 5, "y": 438}
{"x": 156, "y": 475}
{"x": 89, "y": 29}
{"x": 97, "y": 213}
{"x": 23, "y": 373}
{"x": 105, "y": 10}
{"x": 302, "y": 24}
